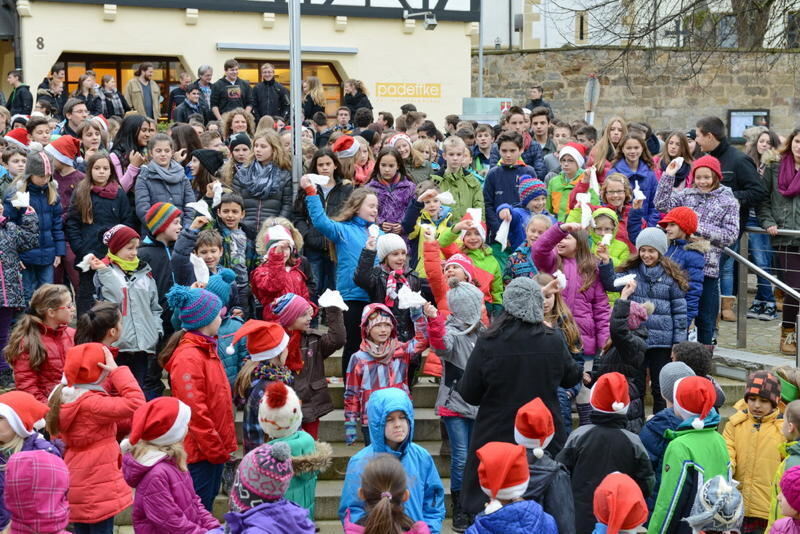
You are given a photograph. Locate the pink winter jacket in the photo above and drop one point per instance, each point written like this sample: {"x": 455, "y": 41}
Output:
{"x": 786, "y": 525}
{"x": 418, "y": 528}
{"x": 589, "y": 307}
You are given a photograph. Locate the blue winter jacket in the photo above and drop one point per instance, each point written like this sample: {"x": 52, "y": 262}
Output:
{"x": 522, "y": 517}
{"x": 520, "y": 216}
{"x": 532, "y": 156}
{"x": 646, "y": 177}
{"x": 349, "y": 237}
{"x": 426, "y": 502}
{"x": 667, "y": 325}
{"x": 231, "y": 362}
{"x": 52, "y": 242}
{"x": 502, "y": 187}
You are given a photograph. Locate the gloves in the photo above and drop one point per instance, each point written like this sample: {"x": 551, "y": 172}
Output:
{"x": 349, "y": 432}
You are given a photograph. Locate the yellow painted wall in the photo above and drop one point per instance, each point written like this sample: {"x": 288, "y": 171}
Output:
{"x": 386, "y": 58}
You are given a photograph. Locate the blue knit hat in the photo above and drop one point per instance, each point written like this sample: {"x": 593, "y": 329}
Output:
{"x": 198, "y": 307}
{"x": 221, "y": 284}
{"x": 529, "y": 188}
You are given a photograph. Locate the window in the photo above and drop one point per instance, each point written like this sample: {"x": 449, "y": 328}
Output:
{"x": 726, "y": 31}
{"x": 793, "y": 29}
{"x": 581, "y": 27}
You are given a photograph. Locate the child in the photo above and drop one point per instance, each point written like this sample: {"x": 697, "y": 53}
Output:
{"x": 310, "y": 348}
{"x": 257, "y": 499}
{"x": 19, "y": 412}
{"x": 624, "y": 452}
{"x": 163, "y": 180}
{"x": 532, "y": 200}
{"x": 384, "y": 490}
{"x": 790, "y": 451}
{"x": 572, "y": 158}
{"x": 205, "y": 165}
{"x": 482, "y": 151}
{"x": 241, "y": 148}
{"x": 122, "y": 279}
{"x": 634, "y": 160}
{"x": 364, "y": 161}
{"x": 753, "y": 436}
{"x": 156, "y": 468}
{"x": 394, "y": 189}
{"x": 520, "y": 262}
{"x": 40, "y": 340}
{"x": 85, "y": 417}
{"x": 504, "y": 477}
{"x": 698, "y": 357}
{"x": 660, "y": 281}
{"x": 39, "y": 262}
{"x": 279, "y": 415}
{"x": 501, "y": 186}
{"x": 391, "y": 428}
{"x": 65, "y": 151}
{"x": 696, "y": 453}
{"x": 616, "y": 195}
{"x": 427, "y": 210}
{"x": 790, "y": 503}
{"x": 238, "y": 246}
{"x": 13, "y": 159}
{"x": 466, "y": 190}
{"x": 205, "y": 244}
{"x": 549, "y": 483}
{"x": 618, "y": 505}
{"x": 718, "y": 508}
{"x": 198, "y": 379}
{"x": 36, "y": 492}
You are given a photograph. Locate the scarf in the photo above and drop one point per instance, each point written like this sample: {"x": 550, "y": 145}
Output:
{"x": 788, "y": 177}
{"x": 195, "y": 108}
{"x": 108, "y": 191}
{"x": 257, "y": 179}
{"x": 116, "y": 102}
{"x": 394, "y": 280}
{"x": 294, "y": 361}
{"x": 172, "y": 174}
{"x": 379, "y": 351}
{"x": 125, "y": 265}
{"x": 270, "y": 372}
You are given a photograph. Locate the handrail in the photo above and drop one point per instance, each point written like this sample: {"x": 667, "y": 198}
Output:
{"x": 781, "y": 231}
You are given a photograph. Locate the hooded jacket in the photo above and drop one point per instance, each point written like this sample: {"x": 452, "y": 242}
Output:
{"x": 459, "y": 341}
{"x": 156, "y": 184}
{"x": 645, "y": 177}
{"x": 271, "y": 280}
{"x": 159, "y": 257}
{"x": 520, "y": 217}
{"x": 309, "y": 459}
{"x": 413, "y": 220}
{"x": 228, "y": 96}
{"x": 426, "y": 500}
{"x": 15, "y": 239}
{"x": 483, "y": 259}
{"x": 165, "y": 500}
{"x": 740, "y": 174}
{"x": 36, "y": 494}
{"x": 356, "y": 101}
{"x": 790, "y": 452}
{"x": 466, "y": 191}
{"x": 20, "y": 101}
{"x": 558, "y": 193}
{"x": 51, "y": 225}
{"x": 523, "y": 517}
{"x": 654, "y": 440}
{"x": 279, "y": 517}
{"x": 41, "y": 382}
{"x": 550, "y": 486}
{"x": 393, "y": 198}
{"x": 270, "y": 98}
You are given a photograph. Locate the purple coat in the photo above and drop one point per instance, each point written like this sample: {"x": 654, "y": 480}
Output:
{"x": 393, "y": 199}
{"x": 165, "y": 500}
{"x": 589, "y": 307}
{"x": 279, "y": 517}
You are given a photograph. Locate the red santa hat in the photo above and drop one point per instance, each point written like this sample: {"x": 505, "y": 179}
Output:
{"x": 503, "y": 472}
{"x": 694, "y": 397}
{"x": 162, "y": 421}
{"x": 346, "y": 147}
{"x": 619, "y": 504}
{"x": 265, "y": 339}
{"x": 479, "y": 225}
{"x": 101, "y": 121}
{"x": 23, "y": 412}
{"x": 533, "y": 427}
{"x": 65, "y": 149}
{"x": 80, "y": 364}
{"x": 610, "y": 394}
{"x": 18, "y": 137}
{"x": 279, "y": 412}
{"x": 576, "y": 150}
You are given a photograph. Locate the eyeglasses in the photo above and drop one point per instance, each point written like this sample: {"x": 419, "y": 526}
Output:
{"x": 69, "y": 306}
{"x": 620, "y": 192}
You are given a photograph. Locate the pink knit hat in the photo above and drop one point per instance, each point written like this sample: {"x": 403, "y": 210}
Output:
{"x": 790, "y": 487}
{"x": 289, "y": 308}
{"x": 639, "y": 313}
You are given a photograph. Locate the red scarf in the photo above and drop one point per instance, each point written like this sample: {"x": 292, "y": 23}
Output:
{"x": 106, "y": 191}
{"x": 294, "y": 360}
{"x": 393, "y": 283}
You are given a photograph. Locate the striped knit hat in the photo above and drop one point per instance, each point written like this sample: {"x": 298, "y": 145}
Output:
{"x": 529, "y": 188}
{"x": 196, "y": 307}
{"x": 263, "y": 476}
{"x": 289, "y": 308}
{"x": 159, "y": 216}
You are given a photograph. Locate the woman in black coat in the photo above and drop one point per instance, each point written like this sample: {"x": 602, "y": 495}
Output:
{"x": 518, "y": 359}
{"x": 355, "y": 96}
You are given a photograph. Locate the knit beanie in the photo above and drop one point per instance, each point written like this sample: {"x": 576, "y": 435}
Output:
{"x": 465, "y": 302}
{"x": 718, "y": 507}
{"x": 464, "y": 262}
{"x": 36, "y": 485}
{"x": 240, "y": 138}
{"x": 392, "y": 141}
{"x": 198, "y": 307}
{"x": 638, "y": 314}
{"x": 653, "y": 237}
{"x": 619, "y": 504}
{"x": 22, "y": 412}
{"x": 790, "y": 486}
{"x": 159, "y": 217}
{"x": 221, "y": 284}
{"x": 669, "y": 374}
{"x": 118, "y": 236}
{"x": 38, "y": 163}
{"x": 375, "y": 314}
{"x": 529, "y": 188}
{"x": 279, "y": 411}
{"x": 277, "y": 234}
{"x": 765, "y": 385}
{"x": 212, "y": 160}
{"x": 263, "y": 476}
{"x": 709, "y": 162}
{"x": 80, "y": 364}
{"x": 684, "y": 217}
{"x": 523, "y": 299}
{"x": 388, "y": 243}
{"x": 289, "y": 308}
{"x": 65, "y": 149}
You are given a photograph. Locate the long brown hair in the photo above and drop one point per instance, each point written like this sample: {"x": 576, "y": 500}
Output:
{"x": 353, "y": 204}
{"x": 227, "y": 121}
{"x": 383, "y": 476}
{"x": 585, "y": 260}
{"x": 93, "y": 326}
{"x": 561, "y": 316}
{"x": 83, "y": 191}
{"x": 279, "y": 156}
{"x": 605, "y": 149}
{"x": 670, "y": 267}
{"x": 646, "y": 156}
{"x": 172, "y": 344}
{"x": 685, "y": 153}
{"x": 26, "y": 337}
{"x": 184, "y": 136}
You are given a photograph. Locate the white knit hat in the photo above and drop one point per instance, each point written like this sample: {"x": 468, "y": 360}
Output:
{"x": 388, "y": 243}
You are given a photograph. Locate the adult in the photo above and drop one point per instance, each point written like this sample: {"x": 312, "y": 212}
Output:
{"x": 319, "y": 123}
{"x": 178, "y": 95}
{"x": 20, "y": 101}
{"x": 204, "y": 76}
{"x": 114, "y": 103}
{"x": 230, "y": 91}
{"x": 536, "y": 93}
{"x": 270, "y": 97}
{"x": 85, "y": 93}
{"x": 47, "y": 89}
{"x": 143, "y": 93}
{"x": 385, "y": 119}
{"x": 355, "y": 96}
{"x": 193, "y": 104}
{"x": 314, "y": 99}
{"x": 518, "y": 359}
{"x": 75, "y": 112}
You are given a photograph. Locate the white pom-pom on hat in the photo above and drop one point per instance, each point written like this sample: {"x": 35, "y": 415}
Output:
{"x": 618, "y": 406}
{"x": 538, "y": 452}
{"x": 698, "y": 424}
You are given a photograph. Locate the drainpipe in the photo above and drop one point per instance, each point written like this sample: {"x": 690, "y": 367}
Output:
{"x": 510, "y": 25}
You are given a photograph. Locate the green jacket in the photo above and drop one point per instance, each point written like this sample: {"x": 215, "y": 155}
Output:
{"x": 309, "y": 458}
{"x": 558, "y": 191}
{"x": 418, "y": 174}
{"x": 482, "y": 258}
{"x": 466, "y": 191}
{"x": 778, "y": 210}
{"x": 690, "y": 454}
{"x": 791, "y": 451}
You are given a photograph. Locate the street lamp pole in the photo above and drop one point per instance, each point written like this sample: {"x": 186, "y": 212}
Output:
{"x": 480, "y": 50}
{"x": 296, "y": 89}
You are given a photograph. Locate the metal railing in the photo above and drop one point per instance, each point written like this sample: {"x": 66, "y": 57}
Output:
{"x": 744, "y": 266}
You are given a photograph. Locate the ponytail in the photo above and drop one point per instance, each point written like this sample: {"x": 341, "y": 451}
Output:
{"x": 93, "y": 326}
{"x": 169, "y": 348}
{"x": 384, "y": 486}
{"x": 27, "y": 333}
{"x": 54, "y": 414}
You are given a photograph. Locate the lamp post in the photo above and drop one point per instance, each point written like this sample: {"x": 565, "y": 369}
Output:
{"x": 296, "y": 88}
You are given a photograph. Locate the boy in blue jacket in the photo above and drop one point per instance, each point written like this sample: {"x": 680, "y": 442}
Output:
{"x": 391, "y": 429}
{"x": 532, "y": 201}
{"x": 502, "y": 182}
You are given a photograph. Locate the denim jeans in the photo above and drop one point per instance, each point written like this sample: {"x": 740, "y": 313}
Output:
{"x": 759, "y": 250}
{"x": 324, "y": 271}
{"x": 207, "y": 478}
{"x": 105, "y": 526}
{"x": 34, "y": 277}
{"x": 459, "y": 431}
{"x": 708, "y": 309}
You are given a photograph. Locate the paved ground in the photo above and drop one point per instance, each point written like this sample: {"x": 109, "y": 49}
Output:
{"x": 763, "y": 337}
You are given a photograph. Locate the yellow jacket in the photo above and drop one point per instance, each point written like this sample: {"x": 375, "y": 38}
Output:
{"x": 755, "y": 455}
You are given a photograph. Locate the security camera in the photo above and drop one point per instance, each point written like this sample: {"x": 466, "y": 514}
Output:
{"x": 430, "y": 22}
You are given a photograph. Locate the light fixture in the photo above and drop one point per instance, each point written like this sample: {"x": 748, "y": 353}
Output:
{"x": 429, "y": 19}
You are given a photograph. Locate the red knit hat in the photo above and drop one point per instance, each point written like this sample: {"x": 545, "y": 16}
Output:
{"x": 619, "y": 504}
{"x": 503, "y": 472}
{"x": 65, "y": 149}
{"x": 118, "y": 236}
{"x": 610, "y": 394}
{"x": 709, "y": 162}
{"x": 533, "y": 427}
{"x": 346, "y": 147}
{"x": 80, "y": 363}
{"x": 162, "y": 421}
{"x": 464, "y": 262}
{"x": 694, "y": 397}
{"x": 265, "y": 340}
{"x": 684, "y": 217}
{"x": 19, "y": 137}
{"x": 22, "y": 411}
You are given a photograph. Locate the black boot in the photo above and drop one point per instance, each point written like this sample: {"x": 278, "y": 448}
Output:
{"x": 460, "y": 518}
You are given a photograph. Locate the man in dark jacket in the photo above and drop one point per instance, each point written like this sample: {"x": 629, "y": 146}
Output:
{"x": 536, "y": 100}
{"x": 193, "y": 104}
{"x": 230, "y": 91}
{"x": 20, "y": 101}
{"x": 178, "y": 95}
{"x": 53, "y": 91}
{"x": 269, "y": 96}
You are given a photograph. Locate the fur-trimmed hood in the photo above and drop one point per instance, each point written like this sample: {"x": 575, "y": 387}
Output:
{"x": 318, "y": 461}
{"x": 700, "y": 245}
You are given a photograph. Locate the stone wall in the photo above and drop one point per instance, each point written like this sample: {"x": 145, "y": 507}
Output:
{"x": 656, "y": 87}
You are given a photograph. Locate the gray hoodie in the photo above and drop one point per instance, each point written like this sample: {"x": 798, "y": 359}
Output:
{"x": 459, "y": 344}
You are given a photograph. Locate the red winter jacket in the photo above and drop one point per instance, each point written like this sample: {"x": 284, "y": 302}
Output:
{"x": 198, "y": 378}
{"x": 88, "y": 426}
{"x": 271, "y": 280}
{"x": 41, "y": 382}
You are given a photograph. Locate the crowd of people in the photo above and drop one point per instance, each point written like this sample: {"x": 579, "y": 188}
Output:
{"x": 534, "y": 268}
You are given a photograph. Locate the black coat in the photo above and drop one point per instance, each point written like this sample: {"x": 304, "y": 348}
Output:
{"x": 228, "y": 96}
{"x": 106, "y": 213}
{"x": 313, "y": 240}
{"x": 310, "y": 107}
{"x": 93, "y": 103}
{"x": 270, "y": 98}
{"x": 505, "y": 371}
{"x": 20, "y": 101}
{"x": 43, "y": 92}
{"x": 356, "y": 101}
{"x": 183, "y": 112}
{"x": 739, "y": 172}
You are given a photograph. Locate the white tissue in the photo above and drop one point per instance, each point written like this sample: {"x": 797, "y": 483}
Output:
{"x": 586, "y": 210}
{"x": 318, "y": 179}
{"x": 446, "y": 198}
{"x": 332, "y": 299}
{"x": 201, "y": 208}
{"x": 637, "y": 192}
{"x": 21, "y": 200}
{"x": 606, "y": 240}
{"x": 502, "y": 234}
{"x": 217, "y": 194}
{"x": 594, "y": 185}
{"x": 476, "y": 214}
{"x": 562, "y": 279}
{"x": 622, "y": 281}
{"x": 425, "y": 227}
{"x": 373, "y": 230}
{"x": 85, "y": 263}
{"x": 409, "y": 299}
{"x": 678, "y": 162}
{"x": 201, "y": 273}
